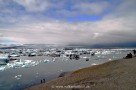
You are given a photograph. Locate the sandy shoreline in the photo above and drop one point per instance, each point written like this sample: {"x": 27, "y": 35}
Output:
{"x": 113, "y": 75}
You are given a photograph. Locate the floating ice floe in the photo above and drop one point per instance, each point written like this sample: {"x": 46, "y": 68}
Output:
{"x": 4, "y": 59}
{"x": 19, "y": 64}
{"x": 106, "y": 52}
{"x": 22, "y": 63}
{"x": 2, "y": 68}
{"x": 93, "y": 64}
{"x": 53, "y": 60}
{"x": 18, "y": 77}
{"x": 84, "y": 57}
{"x": 45, "y": 61}
{"x": 109, "y": 59}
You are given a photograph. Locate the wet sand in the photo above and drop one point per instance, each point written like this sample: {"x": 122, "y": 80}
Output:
{"x": 112, "y": 75}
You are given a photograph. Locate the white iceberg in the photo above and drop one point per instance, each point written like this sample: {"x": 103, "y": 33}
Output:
{"x": 18, "y": 77}
{"x": 19, "y": 64}
{"x": 45, "y": 61}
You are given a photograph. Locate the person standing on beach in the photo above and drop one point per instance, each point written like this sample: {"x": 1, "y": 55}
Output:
{"x": 43, "y": 80}
{"x": 134, "y": 52}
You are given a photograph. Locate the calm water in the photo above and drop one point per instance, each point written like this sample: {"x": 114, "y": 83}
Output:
{"x": 29, "y": 71}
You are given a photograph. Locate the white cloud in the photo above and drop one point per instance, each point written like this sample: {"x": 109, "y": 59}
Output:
{"x": 34, "y": 5}
{"x": 92, "y": 8}
{"x": 116, "y": 27}
{"x": 82, "y": 8}
{"x": 115, "y": 30}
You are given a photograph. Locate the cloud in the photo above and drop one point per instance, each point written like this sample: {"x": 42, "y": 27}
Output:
{"x": 34, "y": 5}
{"x": 77, "y": 8}
{"x": 117, "y": 26}
{"x": 92, "y": 8}
{"x": 107, "y": 31}
{"x": 14, "y": 11}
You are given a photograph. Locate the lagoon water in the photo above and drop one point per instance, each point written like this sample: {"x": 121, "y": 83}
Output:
{"x": 29, "y": 71}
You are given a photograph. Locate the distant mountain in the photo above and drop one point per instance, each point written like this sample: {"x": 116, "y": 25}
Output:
{"x": 7, "y": 46}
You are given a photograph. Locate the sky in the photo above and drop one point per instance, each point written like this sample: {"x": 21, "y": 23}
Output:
{"x": 68, "y": 22}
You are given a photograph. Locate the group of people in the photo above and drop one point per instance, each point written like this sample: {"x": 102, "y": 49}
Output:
{"x": 130, "y": 55}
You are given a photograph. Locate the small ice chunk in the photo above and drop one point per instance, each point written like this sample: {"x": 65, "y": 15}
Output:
{"x": 21, "y": 63}
{"x": 54, "y": 60}
{"x": 93, "y": 64}
{"x": 84, "y": 57}
{"x": 109, "y": 59}
{"x": 18, "y": 77}
{"x": 45, "y": 61}
{"x": 2, "y": 68}
{"x": 106, "y": 52}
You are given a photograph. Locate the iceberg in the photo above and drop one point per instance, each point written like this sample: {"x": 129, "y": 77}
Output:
{"x": 18, "y": 77}
{"x": 45, "y": 61}
{"x": 19, "y": 63}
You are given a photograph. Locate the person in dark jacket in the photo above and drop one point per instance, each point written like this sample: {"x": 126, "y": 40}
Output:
{"x": 134, "y": 52}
